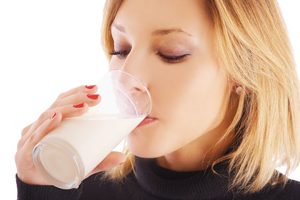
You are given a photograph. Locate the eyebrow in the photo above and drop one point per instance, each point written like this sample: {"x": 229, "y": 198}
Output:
{"x": 159, "y": 32}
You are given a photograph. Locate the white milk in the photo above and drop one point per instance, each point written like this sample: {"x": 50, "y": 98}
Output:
{"x": 90, "y": 137}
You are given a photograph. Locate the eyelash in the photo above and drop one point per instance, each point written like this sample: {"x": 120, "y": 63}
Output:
{"x": 170, "y": 59}
{"x": 120, "y": 54}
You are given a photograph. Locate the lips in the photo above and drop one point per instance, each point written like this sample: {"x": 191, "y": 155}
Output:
{"x": 147, "y": 120}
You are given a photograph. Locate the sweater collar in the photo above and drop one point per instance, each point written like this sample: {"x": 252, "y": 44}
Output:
{"x": 169, "y": 184}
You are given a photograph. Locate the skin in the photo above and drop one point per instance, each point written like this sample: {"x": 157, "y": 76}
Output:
{"x": 190, "y": 95}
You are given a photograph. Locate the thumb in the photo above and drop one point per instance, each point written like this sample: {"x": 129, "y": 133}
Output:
{"x": 111, "y": 160}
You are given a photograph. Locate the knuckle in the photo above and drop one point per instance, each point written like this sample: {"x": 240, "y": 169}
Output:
{"x": 31, "y": 139}
{"x": 21, "y": 141}
{"x": 19, "y": 145}
{"x": 55, "y": 104}
{"x": 61, "y": 95}
{"x": 16, "y": 157}
{"x": 25, "y": 129}
{"x": 79, "y": 98}
{"x": 82, "y": 88}
{"x": 44, "y": 115}
{"x": 82, "y": 95}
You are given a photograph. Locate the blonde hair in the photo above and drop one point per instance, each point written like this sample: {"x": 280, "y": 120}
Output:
{"x": 254, "y": 49}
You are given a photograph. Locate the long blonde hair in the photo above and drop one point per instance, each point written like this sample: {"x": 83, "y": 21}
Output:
{"x": 254, "y": 49}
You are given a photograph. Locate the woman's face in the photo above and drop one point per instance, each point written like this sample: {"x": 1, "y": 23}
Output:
{"x": 169, "y": 45}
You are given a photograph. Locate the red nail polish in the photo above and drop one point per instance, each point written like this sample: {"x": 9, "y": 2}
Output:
{"x": 53, "y": 115}
{"x": 78, "y": 105}
{"x": 90, "y": 86}
{"x": 93, "y": 96}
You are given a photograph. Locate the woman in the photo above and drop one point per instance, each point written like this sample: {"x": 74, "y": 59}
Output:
{"x": 225, "y": 105}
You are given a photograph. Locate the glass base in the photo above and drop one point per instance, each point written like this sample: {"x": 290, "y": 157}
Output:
{"x": 59, "y": 163}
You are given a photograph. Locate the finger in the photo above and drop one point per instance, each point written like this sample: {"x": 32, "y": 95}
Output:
{"x": 37, "y": 124}
{"x": 44, "y": 116}
{"x": 73, "y": 110}
{"x": 29, "y": 131}
{"x": 82, "y": 88}
{"x": 113, "y": 159}
{"x": 23, "y": 134}
{"x": 90, "y": 99}
{"x": 66, "y": 111}
{"x": 25, "y": 130}
{"x": 47, "y": 126}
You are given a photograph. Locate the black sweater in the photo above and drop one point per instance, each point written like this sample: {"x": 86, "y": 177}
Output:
{"x": 150, "y": 181}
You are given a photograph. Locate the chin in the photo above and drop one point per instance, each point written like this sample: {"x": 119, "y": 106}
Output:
{"x": 143, "y": 150}
{"x": 154, "y": 140}
{"x": 146, "y": 142}
{"x": 150, "y": 144}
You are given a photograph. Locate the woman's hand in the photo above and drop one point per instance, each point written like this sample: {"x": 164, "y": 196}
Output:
{"x": 68, "y": 104}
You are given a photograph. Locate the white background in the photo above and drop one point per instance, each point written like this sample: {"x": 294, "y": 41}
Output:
{"x": 48, "y": 47}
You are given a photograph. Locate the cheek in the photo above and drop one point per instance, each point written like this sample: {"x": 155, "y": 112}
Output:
{"x": 197, "y": 113}
{"x": 186, "y": 109}
{"x": 198, "y": 101}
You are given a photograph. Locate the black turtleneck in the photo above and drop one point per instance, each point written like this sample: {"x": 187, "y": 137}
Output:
{"x": 150, "y": 181}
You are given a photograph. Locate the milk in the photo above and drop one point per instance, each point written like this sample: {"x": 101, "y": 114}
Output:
{"x": 89, "y": 138}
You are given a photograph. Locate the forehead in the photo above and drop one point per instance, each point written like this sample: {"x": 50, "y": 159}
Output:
{"x": 189, "y": 15}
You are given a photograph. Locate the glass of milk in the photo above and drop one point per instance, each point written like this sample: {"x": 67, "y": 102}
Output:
{"x": 71, "y": 151}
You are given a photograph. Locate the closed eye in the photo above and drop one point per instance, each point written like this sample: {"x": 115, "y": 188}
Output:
{"x": 172, "y": 59}
{"x": 167, "y": 58}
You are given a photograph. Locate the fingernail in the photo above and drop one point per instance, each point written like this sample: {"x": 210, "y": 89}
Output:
{"x": 78, "y": 105}
{"x": 93, "y": 96}
{"x": 90, "y": 86}
{"x": 53, "y": 115}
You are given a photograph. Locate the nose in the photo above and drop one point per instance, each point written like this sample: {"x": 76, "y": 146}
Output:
{"x": 130, "y": 82}
{"x": 135, "y": 69}
{"x": 136, "y": 98}
{"x": 132, "y": 93}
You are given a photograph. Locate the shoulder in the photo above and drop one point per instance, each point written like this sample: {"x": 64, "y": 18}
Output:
{"x": 292, "y": 189}
{"x": 289, "y": 191}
